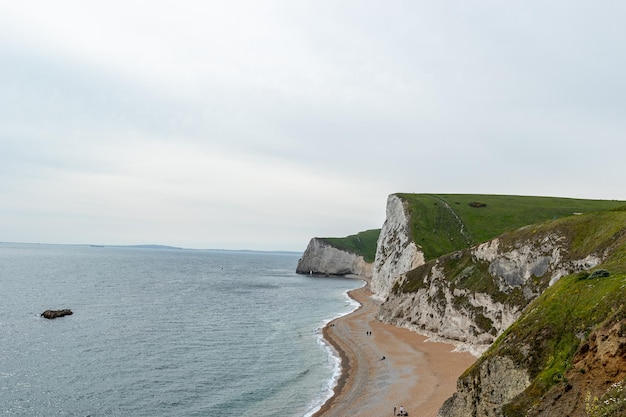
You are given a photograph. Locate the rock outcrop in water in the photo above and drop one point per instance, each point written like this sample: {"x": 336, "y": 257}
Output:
{"x": 53, "y": 314}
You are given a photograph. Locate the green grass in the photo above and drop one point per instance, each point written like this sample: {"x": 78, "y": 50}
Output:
{"x": 545, "y": 339}
{"x": 434, "y": 227}
{"x": 363, "y": 243}
{"x": 589, "y": 233}
{"x": 547, "y": 335}
{"x": 584, "y": 234}
{"x": 461, "y": 271}
{"x": 551, "y": 327}
{"x": 444, "y": 223}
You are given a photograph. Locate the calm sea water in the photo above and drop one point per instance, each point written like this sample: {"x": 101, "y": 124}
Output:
{"x": 163, "y": 332}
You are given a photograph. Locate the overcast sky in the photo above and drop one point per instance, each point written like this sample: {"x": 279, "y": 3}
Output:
{"x": 261, "y": 124}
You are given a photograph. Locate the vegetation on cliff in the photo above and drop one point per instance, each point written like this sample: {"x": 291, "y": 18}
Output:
{"x": 363, "y": 243}
{"x": 462, "y": 273}
{"x": 445, "y": 223}
{"x": 571, "y": 336}
{"x": 557, "y": 329}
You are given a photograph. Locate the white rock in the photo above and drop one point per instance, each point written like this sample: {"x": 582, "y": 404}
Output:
{"x": 396, "y": 253}
{"x": 322, "y": 258}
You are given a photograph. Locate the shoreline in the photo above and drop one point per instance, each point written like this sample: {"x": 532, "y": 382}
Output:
{"x": 384, "y": 366}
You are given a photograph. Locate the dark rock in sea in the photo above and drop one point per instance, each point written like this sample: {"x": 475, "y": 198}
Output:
{"x": 53, "y": 314}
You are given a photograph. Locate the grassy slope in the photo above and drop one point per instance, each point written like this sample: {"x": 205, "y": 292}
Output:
{"x": 547, "y": 335}
{"x": 444, "y": 223}
{"x": 363, "y": 243}
{"x": 439, "y": 231}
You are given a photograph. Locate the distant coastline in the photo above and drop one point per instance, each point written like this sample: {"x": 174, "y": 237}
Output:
{"x": 154, "y": 246}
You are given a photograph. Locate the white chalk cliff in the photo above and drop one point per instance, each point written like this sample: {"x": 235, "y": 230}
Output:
{"x": 441, "y": 302}
{"x": 468, "y": 297}
{"x": 396, "y": 252}
{"x": 506, "y": 274}
{"x": 321, "y": 258}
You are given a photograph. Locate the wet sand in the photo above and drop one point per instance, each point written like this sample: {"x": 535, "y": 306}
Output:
{"x": 416, "y": 374}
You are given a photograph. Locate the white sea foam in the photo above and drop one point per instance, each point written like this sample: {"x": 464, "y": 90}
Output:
{"x": 334, "y": 360}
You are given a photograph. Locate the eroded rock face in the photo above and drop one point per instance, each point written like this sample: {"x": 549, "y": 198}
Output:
{"x": 53, "y": 314}
{"x": 473, "y": 319}
{"x": 396, "y": 253}
{"x": 322, "y": 258}
{"x": 442, "y": 304}
{"x": 496, "y": 383}
{"x": 599, "y": 363}
{"x": 594, "y": 381}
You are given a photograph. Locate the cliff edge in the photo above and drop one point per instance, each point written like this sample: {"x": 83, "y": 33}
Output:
{"x": 423, "y": 227}
{"x": 396, "y": 252}
{"x": 535, "y": 286}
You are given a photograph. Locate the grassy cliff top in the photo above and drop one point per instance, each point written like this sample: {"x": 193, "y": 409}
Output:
{"x": 363, "y": 243}
{"x": 445, "y": 223}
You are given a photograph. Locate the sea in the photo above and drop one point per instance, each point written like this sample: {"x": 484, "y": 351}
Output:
{"x": 164, "y": 332}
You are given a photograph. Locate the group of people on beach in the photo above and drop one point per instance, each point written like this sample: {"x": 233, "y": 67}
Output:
{"x": 401, "y": 412}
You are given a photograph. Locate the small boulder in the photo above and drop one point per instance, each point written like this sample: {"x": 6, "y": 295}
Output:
{"x": 53, "y": 314}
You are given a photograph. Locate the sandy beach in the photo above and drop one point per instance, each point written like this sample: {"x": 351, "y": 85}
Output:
{"x": 415, "y": 374}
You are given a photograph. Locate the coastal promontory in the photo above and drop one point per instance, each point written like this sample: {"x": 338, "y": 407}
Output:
{"x": 533, "y": 286}
{"x": 352, "y": 255}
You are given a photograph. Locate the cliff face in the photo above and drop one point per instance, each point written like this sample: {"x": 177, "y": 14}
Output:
{"x": 528, "y": 288}
{"x": 565, "y": 354}
{"x": 472, "y": 296}
{"x": 558, "y": 360}
{"x": 322, "y": 258}
{"x": 495, "y": 382}
{"x": 396, "y": 253}
{"x": 596, "y": 383}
